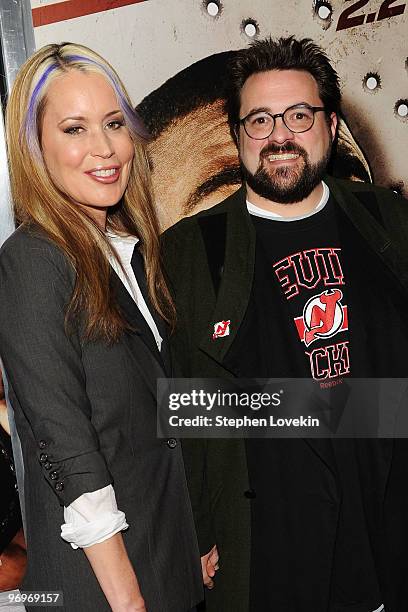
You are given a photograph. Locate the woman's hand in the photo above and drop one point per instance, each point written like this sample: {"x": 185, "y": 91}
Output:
{"x": 134, "y": 606}
{"x": 137, "y": 606}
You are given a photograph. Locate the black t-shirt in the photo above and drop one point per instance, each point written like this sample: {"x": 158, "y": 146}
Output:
{"x": 322, "y": 305}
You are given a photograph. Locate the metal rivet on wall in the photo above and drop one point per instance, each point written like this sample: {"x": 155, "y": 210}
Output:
{"x": 323, "y": 12}
{"x": 250, "y": 27}
{"x": 372, "y": 82}
{"x": 401, "y": 109}
{"x": 213, "y": 7}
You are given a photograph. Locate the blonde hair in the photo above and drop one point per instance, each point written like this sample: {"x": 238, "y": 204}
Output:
{"x": 38, "y": 200}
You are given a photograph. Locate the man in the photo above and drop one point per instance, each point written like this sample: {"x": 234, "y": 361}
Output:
{"x": 311, "y": 275}
{"x": 187, "y": 120}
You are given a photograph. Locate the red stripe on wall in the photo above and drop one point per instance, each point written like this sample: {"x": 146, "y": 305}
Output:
{"x": 43, "y": 15}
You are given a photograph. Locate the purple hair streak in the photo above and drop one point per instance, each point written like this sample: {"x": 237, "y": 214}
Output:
{"x": 132, "y": 118}
{"x": 30, "y": 123}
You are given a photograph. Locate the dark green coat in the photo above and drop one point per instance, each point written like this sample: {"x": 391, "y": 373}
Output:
{"x": 209, "y": 259}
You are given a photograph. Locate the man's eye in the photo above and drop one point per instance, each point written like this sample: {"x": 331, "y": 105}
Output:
{"x": 300, "y": 116}
{"x": 260, "y": 119}
{"x": 73, "y": 130}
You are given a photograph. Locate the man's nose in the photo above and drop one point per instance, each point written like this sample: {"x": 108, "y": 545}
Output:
{"x": 280, "y": 132}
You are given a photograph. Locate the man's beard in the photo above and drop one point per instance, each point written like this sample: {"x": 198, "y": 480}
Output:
{"x": 286, "y": 184}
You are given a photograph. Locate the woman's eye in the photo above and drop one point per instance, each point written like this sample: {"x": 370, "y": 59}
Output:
{"x": 115, "y": 125}
{"x": 73, "y": 130}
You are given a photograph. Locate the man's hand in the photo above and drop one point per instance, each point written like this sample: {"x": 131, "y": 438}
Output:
{"x": 209, "y": 565}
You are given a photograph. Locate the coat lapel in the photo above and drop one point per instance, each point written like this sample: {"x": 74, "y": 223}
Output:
{"x": 235, "y": 287}
{"x": 140, "y": 335}
{"x": 139, "y": 271}
{"x": 394, "y": 252}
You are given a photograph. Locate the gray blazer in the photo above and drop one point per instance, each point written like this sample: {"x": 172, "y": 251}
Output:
{"x": 86, "y": 416}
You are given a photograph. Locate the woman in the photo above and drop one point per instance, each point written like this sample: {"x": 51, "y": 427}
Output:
{"x": 83, "y": 343}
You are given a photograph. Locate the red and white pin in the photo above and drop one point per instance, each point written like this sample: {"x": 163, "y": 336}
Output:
{"x": 221, "y": 329}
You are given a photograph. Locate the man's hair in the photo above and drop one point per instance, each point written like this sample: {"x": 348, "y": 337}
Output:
{"x": 282, "y": 54}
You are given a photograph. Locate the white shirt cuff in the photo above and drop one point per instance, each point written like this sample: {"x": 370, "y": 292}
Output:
{"x": 92, "y": 518}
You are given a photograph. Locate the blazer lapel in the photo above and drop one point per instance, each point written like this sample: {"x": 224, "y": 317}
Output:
{"x": 236, "y": 282}
{"x": 139, "y": 271}
{"x": 136, "y": 320}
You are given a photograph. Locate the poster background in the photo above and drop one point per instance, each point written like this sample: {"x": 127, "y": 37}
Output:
{"x": 150, "y": 41}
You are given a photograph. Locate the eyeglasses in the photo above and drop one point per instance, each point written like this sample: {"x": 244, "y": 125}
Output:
{"x": 298, "y": 118}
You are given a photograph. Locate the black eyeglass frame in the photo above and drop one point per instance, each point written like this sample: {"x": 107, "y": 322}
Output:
{"x": 315, "y": 109}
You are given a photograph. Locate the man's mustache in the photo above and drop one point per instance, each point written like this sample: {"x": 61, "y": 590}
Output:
{"x": 289, "y": 147}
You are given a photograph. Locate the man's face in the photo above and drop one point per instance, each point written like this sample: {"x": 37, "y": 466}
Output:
{"x": 285, "y": 167}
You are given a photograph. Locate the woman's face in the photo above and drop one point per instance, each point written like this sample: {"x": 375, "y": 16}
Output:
{"x": 86, "y": 147}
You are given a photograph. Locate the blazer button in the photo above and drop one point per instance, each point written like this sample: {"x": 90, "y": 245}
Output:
{"x": 54, "y": 475}
{"x": 42, "y": 444}
{"x": 172, "y": 443}
{"x": 59, "y": 486}
{"x": 47, "y": 465}
{"x": 43, "y": 457}
{"x": 250, "y": 494}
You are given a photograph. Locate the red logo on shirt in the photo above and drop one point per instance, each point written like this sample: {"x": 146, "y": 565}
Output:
{"x": 323, "y": 317}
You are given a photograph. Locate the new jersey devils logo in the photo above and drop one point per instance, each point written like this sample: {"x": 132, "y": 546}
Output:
{"x": 323, "y": 315}
{"x": 221, "y": 329}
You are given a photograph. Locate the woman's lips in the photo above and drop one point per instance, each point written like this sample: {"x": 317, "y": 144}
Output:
{"x": 105, "y": 175}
